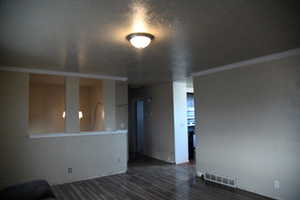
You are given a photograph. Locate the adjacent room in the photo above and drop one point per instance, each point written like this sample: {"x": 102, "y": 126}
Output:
{"x": 150, "y": 100}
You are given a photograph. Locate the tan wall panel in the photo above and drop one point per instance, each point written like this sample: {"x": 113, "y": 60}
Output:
{"x": 25, "y": 159}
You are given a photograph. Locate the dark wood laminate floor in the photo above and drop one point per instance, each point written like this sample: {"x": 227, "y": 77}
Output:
{"x": 149, "y": 179}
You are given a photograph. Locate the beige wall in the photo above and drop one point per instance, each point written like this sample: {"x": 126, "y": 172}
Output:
{"x": 84, "y": 99}
{"x": 248, "y": 125}
{"x": 96, "y": 100}
{"x": 109, "y": 104}
{"x": 46, "y": 105}
{"x": 72, "y": 123}
{"x": 91, "y": 104}
{"x": 158, "y": 137}
{"x": 49, "y": 158}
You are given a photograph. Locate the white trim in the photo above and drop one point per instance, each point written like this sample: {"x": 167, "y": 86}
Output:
{"x": 276, "y": 56}
{"x": 190, "y": 90}
{"x": 199, "y": 174}
{"x": 62, "y": 73}
{"x": 55, "y": 135}
{"x": 122, "y": 171}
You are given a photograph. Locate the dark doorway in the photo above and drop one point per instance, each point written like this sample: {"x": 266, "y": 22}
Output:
{"x": 139, "y": 126}
{"x": 191, "y": 125}
{"x": 136, "y": 135}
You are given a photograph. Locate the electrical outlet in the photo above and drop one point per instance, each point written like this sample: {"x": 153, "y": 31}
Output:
{"x": 70, "y": 170}
{"x": 276, "y": 185}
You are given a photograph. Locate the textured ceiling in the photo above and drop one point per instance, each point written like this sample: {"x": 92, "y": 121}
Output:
{"x": 89, "y": 35}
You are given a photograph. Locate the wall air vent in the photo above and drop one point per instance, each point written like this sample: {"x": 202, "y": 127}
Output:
{"x": 220, "y": 180}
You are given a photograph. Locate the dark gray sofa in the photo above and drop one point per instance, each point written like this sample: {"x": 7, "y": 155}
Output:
{"x": 33, "y": 190}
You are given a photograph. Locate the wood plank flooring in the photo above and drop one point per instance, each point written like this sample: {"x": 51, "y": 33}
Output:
{"x": 150, "y": 179}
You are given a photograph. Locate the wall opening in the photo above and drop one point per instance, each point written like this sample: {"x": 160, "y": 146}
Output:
{"x": 191, "y": 126}
{"x": 91, "y": 105}
{"x": 46, "y": 104}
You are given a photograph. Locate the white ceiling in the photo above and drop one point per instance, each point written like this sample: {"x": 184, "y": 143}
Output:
{"x": 89, "y": 35}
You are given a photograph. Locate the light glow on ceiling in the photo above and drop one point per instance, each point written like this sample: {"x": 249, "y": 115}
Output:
{"x": 139, "y": 37}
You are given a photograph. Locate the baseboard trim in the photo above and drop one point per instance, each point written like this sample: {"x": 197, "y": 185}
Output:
{"x": 123, "y": 171}
{"x": 249, "y": 194}
{"x": 240, "y": 191}
{"x": 199, "y": 174}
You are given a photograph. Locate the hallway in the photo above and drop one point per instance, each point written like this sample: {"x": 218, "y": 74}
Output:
{"x": 150, "y": 179}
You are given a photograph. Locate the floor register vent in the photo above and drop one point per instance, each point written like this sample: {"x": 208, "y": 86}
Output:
{"x": 220, "y": 180}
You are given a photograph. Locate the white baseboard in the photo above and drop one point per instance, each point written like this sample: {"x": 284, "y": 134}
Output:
{"x": 199, "y": 174}
{"x": 123, "y": 171}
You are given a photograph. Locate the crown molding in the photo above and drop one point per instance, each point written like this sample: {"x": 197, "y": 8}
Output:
{"x": 62, "y": 73}
{"x": 271, "y": 57}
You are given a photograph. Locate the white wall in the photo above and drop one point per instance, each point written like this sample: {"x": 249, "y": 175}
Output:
{"x": 158, "y": 129}
{"x": 24, "y": 159}
{"x": 121, "y": 105}
{"x": 248, "y": 125}
{"x": 180, "y": 122}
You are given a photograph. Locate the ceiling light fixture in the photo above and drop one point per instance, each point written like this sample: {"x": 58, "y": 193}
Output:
{"x": 140, "y": 40}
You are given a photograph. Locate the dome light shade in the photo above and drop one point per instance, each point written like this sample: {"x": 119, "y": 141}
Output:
{"x": 140, "y": 40}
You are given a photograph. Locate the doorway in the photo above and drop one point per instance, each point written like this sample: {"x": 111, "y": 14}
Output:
{"x": 136, "y": 137}
{"x": 191, "y": 126}
{"x": 139, "y": 126}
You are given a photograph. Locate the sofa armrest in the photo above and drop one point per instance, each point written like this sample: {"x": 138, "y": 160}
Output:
{"x": 34, "y": 190}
